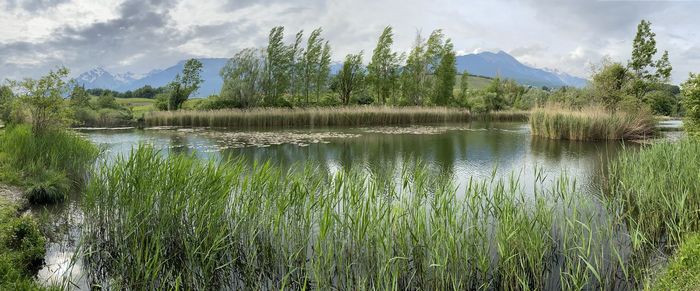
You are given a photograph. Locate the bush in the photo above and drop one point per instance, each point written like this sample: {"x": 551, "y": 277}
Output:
{"x": 21, "y": 249}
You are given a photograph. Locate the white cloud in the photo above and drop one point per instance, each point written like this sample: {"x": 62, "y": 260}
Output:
{"x": 135, "y": 35}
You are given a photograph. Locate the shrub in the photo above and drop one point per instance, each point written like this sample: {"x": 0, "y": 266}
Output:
{"x": 21, "y": 249}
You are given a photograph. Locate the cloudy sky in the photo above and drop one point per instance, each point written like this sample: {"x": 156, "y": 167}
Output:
{"x": 141, "y": 35}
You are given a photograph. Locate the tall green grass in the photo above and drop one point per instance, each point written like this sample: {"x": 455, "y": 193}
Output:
{"x": 320, "y": 117}
{"x": 48, "y": 164}
{"x": 591, "y": 124}
{"x": 659, "y": 191}
{"x": 157, "y": 222}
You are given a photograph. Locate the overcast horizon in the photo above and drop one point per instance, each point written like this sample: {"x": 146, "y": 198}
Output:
{"x": 139, "y": 36}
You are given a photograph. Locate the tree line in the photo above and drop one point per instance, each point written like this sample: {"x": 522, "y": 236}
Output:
{"x": 299, "y": 73}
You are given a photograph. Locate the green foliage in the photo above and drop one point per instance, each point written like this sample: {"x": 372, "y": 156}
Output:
{"x": 103, "y": 110}
{"x": 277, "y": 67}
{"x": 351, "y": 78}
{"x": 683, "y": 271}
{"x": 446, "y": 74}
{"x": 185, "y": 84}
{"x": 610, "y": 84}
{"x": 643, "y": 50}
{"x": 383, "y": 69}
{"x": 79, "y": 97}
{"x": 7, "y": 102}
{"x": 691, "y": 102}
{"x": 146, "y": 91}
{"x": 43, "y": 100}
{"x": 242, "y": 80}
{"x": 21, "y": 249}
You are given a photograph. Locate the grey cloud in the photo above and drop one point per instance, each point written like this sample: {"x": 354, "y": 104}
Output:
{"x": 33, "y": 5}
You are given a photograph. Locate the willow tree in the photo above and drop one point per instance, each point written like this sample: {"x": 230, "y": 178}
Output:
{"x": 277, "y": 67}
{"x": 383, "y": 69}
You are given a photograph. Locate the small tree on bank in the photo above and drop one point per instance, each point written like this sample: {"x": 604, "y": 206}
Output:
{"x": 184, "y": 85}
{"x": 42, "y": 100}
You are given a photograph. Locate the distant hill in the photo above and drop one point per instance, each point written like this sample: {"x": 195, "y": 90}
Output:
{"x": 506, "y": 66}
{"x": 486, "y": 64}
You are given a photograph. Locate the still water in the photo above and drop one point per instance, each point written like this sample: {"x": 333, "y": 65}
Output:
{"x": 474, "y": 150}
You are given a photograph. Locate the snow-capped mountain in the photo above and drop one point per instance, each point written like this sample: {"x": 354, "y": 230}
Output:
{"x": 100, "y": 78}
{"x": 568, "y": 79}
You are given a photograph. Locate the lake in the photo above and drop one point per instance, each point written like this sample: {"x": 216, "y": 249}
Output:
{"x": 476, "y": 150}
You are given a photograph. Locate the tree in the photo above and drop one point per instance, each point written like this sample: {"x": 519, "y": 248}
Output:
{"x": 663, "y": 69}
{"x": 277, "y": 67}
{"x": 445, "y": 75}
{"x": 609, "y": 83}
{"x": 7, "y": 102}
{"x": 43, "y": 99}
{"x": 383, "y": 69}
{"x": 648, "y": 74}
{"x": 79, "y": 97}
{"x": 323, "y": 71}
{"x": 691, "y": 102}
{"x": 464, "y": 85}
{"x": 312, "y": 60}
{"x": 185, "y": 84}
{"x": 296, "y": 57}
{"x": 242, "y": 77}
{"x": 643, "y": 50}
{"x": 414, "y": 74}
{"x": 350, "y": 77}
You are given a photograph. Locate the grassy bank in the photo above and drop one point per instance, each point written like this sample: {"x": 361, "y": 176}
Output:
{"x": 48, "y": 164}
{"x": 320, "y": 117}
{"x": 683, "y": 271}
{"x": 167, "y": 222}
{"x": 591, "y": 124}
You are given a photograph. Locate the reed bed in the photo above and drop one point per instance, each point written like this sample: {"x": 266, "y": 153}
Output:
{"x": 658, "y": 191}
{"x": 321, "y": 117}
{"x": 591, "y": 123}
{"x": 157, "y": 222}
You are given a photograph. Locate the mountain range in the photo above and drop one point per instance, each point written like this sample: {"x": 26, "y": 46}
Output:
{"x": 486, "y": 64}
